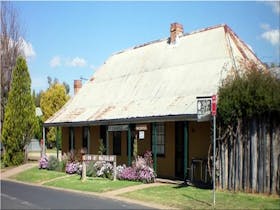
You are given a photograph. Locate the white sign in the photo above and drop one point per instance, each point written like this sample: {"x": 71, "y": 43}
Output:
{"x": 141, "y": 127}
{"x": 141, "y": 134}
{"x": 203, "y": 108}
{"x": 109, "y": 158}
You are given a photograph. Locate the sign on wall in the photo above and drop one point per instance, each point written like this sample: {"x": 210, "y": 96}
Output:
{"x": 141, "y": 135}
{"x": 118, "y": 128}
{"x": 141, "y": 127}
{"x": 203, "y": 108}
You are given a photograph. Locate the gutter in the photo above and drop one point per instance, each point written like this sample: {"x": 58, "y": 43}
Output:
{"x": 183, "y": 117}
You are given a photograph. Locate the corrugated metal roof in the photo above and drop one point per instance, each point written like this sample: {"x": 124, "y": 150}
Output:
{"x": 156, "y": 79}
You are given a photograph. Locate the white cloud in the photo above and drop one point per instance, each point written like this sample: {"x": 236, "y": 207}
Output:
{"x": 55, "y": 62}
{"x": 26, "y": 48}
{"x": 272, "y": 36}
{"x": 60, "y": 61}
{"x": 78, "y": 62}
{"x": 275, "y": 6}
{"x": 265, "y": 26}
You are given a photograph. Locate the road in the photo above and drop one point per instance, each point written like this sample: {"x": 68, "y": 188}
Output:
{"x": 21, "y": 196}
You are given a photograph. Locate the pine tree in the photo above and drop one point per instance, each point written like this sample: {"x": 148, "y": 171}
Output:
{"x": 20, "y": 116}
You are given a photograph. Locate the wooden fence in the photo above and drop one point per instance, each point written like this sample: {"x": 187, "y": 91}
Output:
{"x": 248, "y": 159}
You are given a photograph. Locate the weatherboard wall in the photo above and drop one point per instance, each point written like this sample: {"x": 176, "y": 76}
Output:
{"x": 199, "y": 140}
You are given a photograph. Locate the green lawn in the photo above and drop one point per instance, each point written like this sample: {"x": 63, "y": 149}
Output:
{"x": 91, "y": 184}
{"x": 35, "y": 175}
{"x": 168, "y": 195}
{"x": 194, "y": 198}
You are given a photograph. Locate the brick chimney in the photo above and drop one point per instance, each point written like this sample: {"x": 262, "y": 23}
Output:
{"x": 176, "y": 30}
{"x": 77, "y": 86}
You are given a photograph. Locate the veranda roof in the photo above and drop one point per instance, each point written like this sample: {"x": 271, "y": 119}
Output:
{"x": 157, "y": 80}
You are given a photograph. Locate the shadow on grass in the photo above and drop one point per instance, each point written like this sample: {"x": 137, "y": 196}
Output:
{"x": 197, "y": 184}
{"x": 197, "y": 200}
{"x": 200, "y": 185}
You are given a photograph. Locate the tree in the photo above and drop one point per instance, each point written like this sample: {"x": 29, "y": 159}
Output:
{"x": 11, "y": 41}
{"x": 67, "y": 87}
{"x": 51, "y": 101}
{"x": 20, "y": 118}
{"x": 248, "y": 125}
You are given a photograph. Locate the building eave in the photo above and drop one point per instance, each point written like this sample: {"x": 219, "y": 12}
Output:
{"x": 183, "y": 117}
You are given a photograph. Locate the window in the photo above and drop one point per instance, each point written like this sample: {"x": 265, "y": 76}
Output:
{"x": 71, "y": 139}
{"x": 117, "y": 135}
{"x": 85, "y": 137}
{"x": 160, "y": 134}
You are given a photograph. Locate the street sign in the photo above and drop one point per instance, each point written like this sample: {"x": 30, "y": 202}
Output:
{"x": 203, "y": 108}
{"x": 214, "y": 105}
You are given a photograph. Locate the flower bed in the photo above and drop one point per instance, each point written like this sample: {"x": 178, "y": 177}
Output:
{"x": 141, "y": 169}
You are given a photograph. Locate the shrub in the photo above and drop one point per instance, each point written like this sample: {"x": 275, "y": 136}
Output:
{"x": 43, "y": 162}
{"x": 17, "y": 158}
{"x": 148, "y": 158}
{"x": 141, "y": 170}
{"x": 71, "y": 167}
{"x": 119, "y": 170}
{"x": 101, "y": 149}
{"x": 103, "y": 169}
{"x": 129, "y": 173}
{"x": 62, "y": 164}
{"x": 146, "y": 175}
{"x": 53, "y": 163}
{"x": 90, "y": 169}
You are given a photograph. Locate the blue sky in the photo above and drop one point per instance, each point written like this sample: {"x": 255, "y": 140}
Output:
{"x": 69, "y": 40}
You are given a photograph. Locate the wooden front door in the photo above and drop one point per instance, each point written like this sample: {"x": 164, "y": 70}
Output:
{"x": 179, "y": 150}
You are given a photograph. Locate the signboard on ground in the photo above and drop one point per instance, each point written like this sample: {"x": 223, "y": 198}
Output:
{"x": 109, "y": 158}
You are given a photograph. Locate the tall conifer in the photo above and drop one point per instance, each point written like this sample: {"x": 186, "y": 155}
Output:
{"x": 20, "y": 116}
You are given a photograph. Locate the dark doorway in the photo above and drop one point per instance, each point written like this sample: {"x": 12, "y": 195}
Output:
{"x": 179, "y": 150}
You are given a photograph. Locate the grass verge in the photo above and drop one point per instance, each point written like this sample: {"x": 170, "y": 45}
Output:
{"x": 35, "y": 175}
{"x": 91, "y": 184}
{"x": 194, "y": 198}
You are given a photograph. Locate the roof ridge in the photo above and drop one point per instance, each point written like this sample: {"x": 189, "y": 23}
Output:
{"x": 235, "y": 38}
{"x": 165, "y": 39}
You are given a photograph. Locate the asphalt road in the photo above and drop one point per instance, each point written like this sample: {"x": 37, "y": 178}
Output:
{"x": 21, "y": 196}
